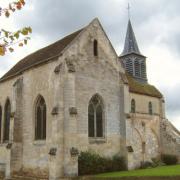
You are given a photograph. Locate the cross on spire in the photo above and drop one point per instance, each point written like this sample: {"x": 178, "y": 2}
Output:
{"x": 128, "y": 8}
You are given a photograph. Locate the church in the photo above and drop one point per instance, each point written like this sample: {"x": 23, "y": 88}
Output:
{"x": 78, "y": 95}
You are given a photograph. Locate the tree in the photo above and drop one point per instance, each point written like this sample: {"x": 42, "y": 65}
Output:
{"x": 9, "y": 39}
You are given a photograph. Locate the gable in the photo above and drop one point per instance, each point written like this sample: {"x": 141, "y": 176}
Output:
{"x": 81, "y": 50}
{"x": 106, "y": 44}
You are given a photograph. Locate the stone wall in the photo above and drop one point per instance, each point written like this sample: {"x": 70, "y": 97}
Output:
{"x": 26, "y": 153}
{"x": 77, "y": 77}
{"x": 143, "y": 131}
{"x": 67, "y": 84}
{"x": 170, "y": 139}
{"x": 87, "y": 75}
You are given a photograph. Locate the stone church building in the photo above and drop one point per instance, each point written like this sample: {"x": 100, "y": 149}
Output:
{"x": 77, "y": 95}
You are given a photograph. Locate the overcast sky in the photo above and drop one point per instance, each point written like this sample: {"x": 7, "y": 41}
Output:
{"x": 156, "y": 24}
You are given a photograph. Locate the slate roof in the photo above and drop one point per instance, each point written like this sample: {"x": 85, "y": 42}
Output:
{"x": 142, "y": 88}
{"x": 130, "y": 45}
{"x": 41, "y": 56}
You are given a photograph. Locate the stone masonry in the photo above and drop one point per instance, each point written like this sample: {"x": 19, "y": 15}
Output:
{"x": 67, "y": 82}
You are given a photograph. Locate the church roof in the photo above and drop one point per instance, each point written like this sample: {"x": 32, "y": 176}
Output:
{"x": 142, "y": 88}
{"x": 41, "y": 56}
{"x": 130, "y": 45}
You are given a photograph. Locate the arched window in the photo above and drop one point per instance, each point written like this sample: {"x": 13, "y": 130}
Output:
{"x": 7, "y": 117}
{"x": 150, "y": 108}
{"x": 95, "y": 47}
{"x": 95, "y": 117}
{"x": 0, "y": 122}
{"x": 40, "y": 119}
{"x": 133, "y": 106}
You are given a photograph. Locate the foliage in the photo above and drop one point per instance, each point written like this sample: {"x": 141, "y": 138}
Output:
{"x": 146, "y": 164}
{"x": 157, "y": 161}
{"x": 162, "y": 171}
{"x": 169, "y": 159}
{"x": 93, "y": 163}
{"x": 9, "y": 39}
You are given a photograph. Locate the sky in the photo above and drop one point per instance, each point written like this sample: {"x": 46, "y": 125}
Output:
{"x": 155, "y": 23}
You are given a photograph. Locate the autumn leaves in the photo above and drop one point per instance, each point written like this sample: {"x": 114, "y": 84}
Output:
{"x": 9, "y": 39}
{"x": 13, "y": 6}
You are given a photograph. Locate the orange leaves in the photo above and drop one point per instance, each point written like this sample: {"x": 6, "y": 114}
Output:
{"x": 2, "y": 50}
{"x": 12, "y": 7}
{"x": 10, "y": 47}
{"x": 18, "y": 5}
{"x": 10, "y": 39}
{"x": 21, "y": 44}
{"x": 22, "y": 2}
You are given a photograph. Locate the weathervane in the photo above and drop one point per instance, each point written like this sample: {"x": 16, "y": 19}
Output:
{"x": 128, "y": 8}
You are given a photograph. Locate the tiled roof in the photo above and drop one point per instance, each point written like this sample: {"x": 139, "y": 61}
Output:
{"x": 142, "y": 88}
{"x": 40, "y": 56}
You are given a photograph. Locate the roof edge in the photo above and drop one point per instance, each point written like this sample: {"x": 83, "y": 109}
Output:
{"x": 34, "y": 65}
{"x": 124, "y": 55}
{"x": 2, "y": 79}
{"x": 135, "y": 92}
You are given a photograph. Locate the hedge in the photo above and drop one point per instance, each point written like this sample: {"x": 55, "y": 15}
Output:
{"x": 93, "y": 163}
{"x": 169, "y": 159}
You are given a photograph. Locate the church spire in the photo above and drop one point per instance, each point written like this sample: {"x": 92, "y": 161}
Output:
{"x": 134, "y": 62}
{"x": 130, "y": 45}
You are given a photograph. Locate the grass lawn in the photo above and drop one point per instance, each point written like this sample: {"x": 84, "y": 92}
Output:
{"x": 158, "y": 171}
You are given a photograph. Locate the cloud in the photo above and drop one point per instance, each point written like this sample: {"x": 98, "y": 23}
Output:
{"x": 156, "y": 25}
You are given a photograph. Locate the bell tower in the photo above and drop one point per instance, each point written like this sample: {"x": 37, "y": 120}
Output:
{"x": 134, "y": 62}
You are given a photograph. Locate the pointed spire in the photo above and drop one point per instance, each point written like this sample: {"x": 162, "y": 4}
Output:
{"x": 130, "y": 45}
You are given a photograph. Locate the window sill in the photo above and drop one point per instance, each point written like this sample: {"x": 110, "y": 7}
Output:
{"x": 39, "y": 142}
{"x": 97, "y": 140}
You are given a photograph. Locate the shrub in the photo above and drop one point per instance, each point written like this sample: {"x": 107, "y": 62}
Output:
{"x": 146, "y": 164}
{"x": 118, "y": 163}
{"x": 169, "y": 159}
{"x": 157, "y": 161}
{"x": 93, "y": 163}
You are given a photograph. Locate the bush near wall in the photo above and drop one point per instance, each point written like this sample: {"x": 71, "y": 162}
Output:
{"x": 169, "y": 159}
{"x": 93, "y": 163}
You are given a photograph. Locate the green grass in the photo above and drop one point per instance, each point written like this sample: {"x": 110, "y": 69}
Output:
{"x": 158, "y": 171}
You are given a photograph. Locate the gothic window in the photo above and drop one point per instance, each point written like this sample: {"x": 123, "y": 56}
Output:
{"x": 150, "y": 108}
{"x": 95, "y": 117}
{"x": 95, "y": 47}
{"x": 40, "y": 119}
{"x": 0, "y": 121}
{"x": 133, "y": 106}
{"x": 7, "y": 116}
{"x": 137, "y": 68}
